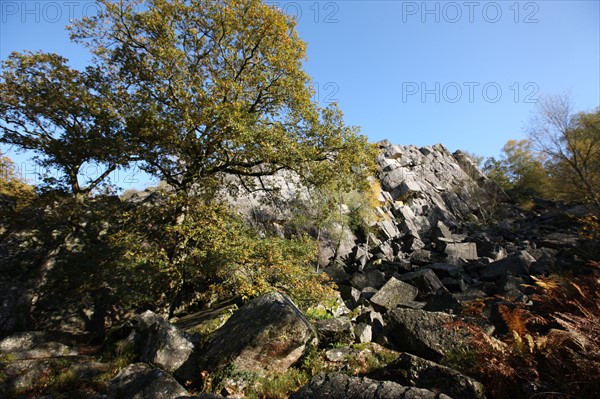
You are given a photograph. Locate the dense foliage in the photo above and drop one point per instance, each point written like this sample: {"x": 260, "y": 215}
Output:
{"x": 211, "y": 98}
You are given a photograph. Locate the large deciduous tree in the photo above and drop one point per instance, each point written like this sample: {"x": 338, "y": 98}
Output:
{"x": 219, "y": 90}
{"x": 196, "y": 90}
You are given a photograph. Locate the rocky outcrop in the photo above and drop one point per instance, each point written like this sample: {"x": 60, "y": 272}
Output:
{"x": 341, "y": 386}
{"x": 405, "y": 284}
{"x": 269, "y": 333}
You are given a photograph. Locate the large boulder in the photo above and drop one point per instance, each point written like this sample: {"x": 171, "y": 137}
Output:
{"x": 375, "y": 321}
{"x": 269, "y": 333}
{"x": 158, "y": 342}
{"x": 341, "y": 386}
{"x": 140, "y": 381}
{"x": 394, "y": 293}
{"x": 427, "y": 334}
{"x": 410, "y": 370}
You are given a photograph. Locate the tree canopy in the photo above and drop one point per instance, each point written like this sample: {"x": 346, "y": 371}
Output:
{"x": 69, "y": 118}
{"x": 193, "y": 89}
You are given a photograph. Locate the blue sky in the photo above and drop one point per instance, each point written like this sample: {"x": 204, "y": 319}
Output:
{"x": 465, "y": 73}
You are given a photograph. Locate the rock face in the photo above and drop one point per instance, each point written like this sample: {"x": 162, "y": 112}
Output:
{"x": 410, "y": 370}
{"x": 268, "y": 333}
{"x": 341, "y": 386}
{"x": 433, "y": 183}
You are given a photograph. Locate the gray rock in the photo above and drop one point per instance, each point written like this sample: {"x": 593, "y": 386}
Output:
{"x": 160, "y": 343}
{"x": 140, "y": 381}
{"x": 490, "y": 249}
{"x": 421, "y": 257}
{"x": 545, "y": 264}
{"x": 334, "y": 331}
{"x": 427, "y": 334}
{"x": 34, "y": 345}
{"x": 511, "y": 287}
{"x": 515, "y": 265}
{"x": 350, "y": 295}
{"x": 463, "y": 250}
{"x": 400, "y": 266}
{"x": 441, "y": 232}
{"x": 425, "y": 280}
{"x": 454, "y": 284}
{"x": 341, "y": 386}
{"x": 406, "y": 189}
{"x": 388, "y": 228}
{"x": 370, "y": 278}
{"x": 337, "y": 272}
{"x": 406, "y": 218}
{"x": 368, "y": 293}
{"x": 410, "y": 370}
{"x": 375, "y": 320}
{"x": 363, "y": 332}
{"x": 268, "y": 333}
{"x": 393, "y": 293}
{"x": 445, "y": 270}
{"x": 338, "y": 354}
{"x": 444, "y": 302}
{"x": 393, "y": 178}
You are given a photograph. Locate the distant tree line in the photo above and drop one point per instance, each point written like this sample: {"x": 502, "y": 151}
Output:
{"x": 559, "y": 160}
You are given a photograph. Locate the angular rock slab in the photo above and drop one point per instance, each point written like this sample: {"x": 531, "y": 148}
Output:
{"x": 425, "y": 280}
{"x": 140, "y": 381}
{"x": 341, "y": 386}
{"x": 414, "y": 371}
{"x": 269, "y": 333}
{"x": 394, "y": 293}
{"x": 427, "y": 334}
{"x": 464, "y": 250}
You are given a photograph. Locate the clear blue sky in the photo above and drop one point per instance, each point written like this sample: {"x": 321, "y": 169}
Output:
{"x": 464, "y": 73}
